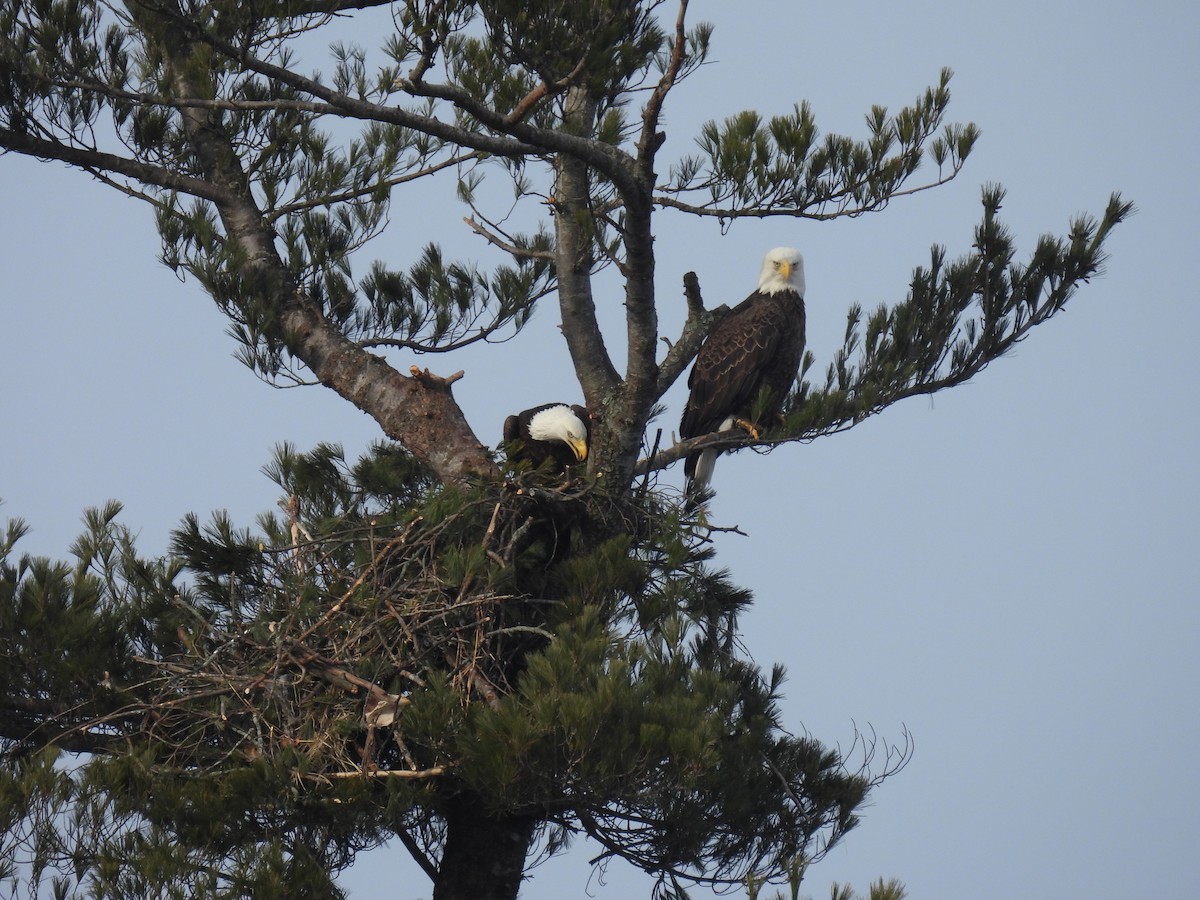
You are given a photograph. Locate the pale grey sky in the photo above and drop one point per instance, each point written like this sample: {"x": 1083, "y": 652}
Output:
{"x": 1008, "y": 570}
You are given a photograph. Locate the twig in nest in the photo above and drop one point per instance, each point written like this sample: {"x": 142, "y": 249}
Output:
{"x": 489, "y": 535}
{"x": 366, "y": 573}
{"x": 385, "y": 773}
{"x": 517, "y": 542}
{"x": 653, "y": 452}
{"x": 480, "y": 682}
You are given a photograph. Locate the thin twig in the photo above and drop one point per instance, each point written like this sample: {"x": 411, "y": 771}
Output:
{"x": 496, "y": 241}
{"x": 383, "y": 773}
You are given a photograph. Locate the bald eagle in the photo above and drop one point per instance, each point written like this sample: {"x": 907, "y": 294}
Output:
{"x": 553, "y": 435}
{"x": 750, "y": 358}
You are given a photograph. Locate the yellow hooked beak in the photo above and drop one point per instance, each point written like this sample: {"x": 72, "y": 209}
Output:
{"x": 578, "y": 447}
{"x": 785, "y": 269}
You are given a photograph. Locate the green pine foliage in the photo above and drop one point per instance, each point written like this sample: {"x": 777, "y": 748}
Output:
{"x": 316, "y": 685}
{"x": 420, "y": 644}
{"x": 892, "y": 889}
{"x": 750, "y": 168}
{"x": 958, "y": 317}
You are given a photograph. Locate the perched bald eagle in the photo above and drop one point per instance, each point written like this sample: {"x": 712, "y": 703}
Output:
{"x": 751, "y": 357}
{"x": 553, "y": 435}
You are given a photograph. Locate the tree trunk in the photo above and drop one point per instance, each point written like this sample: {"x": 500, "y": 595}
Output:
{"x": 484, "y": 856}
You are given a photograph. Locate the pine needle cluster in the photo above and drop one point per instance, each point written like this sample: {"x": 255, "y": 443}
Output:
{"x": 387, "y": 645}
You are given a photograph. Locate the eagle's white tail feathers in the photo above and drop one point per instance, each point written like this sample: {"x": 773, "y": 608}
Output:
{"x": 707, "y": 461}
{"x": 705, "y": 464}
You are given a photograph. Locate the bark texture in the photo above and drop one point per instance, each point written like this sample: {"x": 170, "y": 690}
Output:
{"x": 484, "y": 855}
{"x": 419, "y": 411}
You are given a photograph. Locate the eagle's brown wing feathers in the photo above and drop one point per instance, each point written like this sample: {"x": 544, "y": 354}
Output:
{"x": 512, "y": 429}
{"x": 755, "y": 345}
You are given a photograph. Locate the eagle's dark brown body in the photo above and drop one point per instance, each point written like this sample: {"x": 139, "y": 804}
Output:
{"x": 758, "y": 346}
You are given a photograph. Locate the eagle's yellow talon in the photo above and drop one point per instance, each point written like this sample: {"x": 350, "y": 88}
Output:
{"x": 748, "y": 427}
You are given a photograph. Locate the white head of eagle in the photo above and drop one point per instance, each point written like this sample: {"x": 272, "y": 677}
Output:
{"x": 749, "y": 361}
{"x": 782, "y": 270}
{"x": 552, "y": 431}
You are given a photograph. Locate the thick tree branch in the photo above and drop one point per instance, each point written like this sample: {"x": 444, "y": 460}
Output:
{"x": 86, "y": 158}
{"x": 333, "y": 7}
{"x": 613, "y": 162}
{"x": 574, "y": 247}
{"x": 641, "y": 326}
{"x": 428, "y": 866}
{"x": 419, "y": 413}
{"x": 650, "y": 140}
{"x": 353, "y": 108}
{"x": 523, "y": 140}
{"x": 696, "y": 327}
{"x": 642, "y": 376}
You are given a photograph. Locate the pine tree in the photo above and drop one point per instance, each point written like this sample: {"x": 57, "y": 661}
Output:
{"x": 479, "y": 661}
